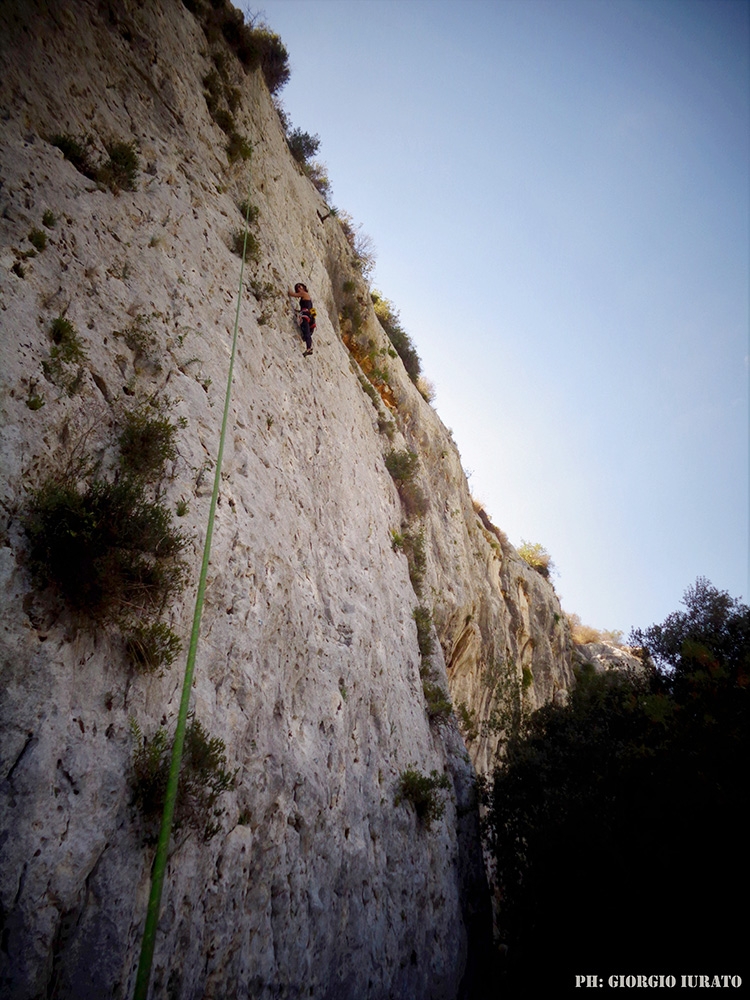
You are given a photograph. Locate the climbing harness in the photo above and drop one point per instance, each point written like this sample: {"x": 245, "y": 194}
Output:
{"x": 160, "y": 860}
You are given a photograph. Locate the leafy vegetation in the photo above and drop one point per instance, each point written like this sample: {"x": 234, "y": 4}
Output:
{"x": 361, "y": 245}
{"x": 38, "y": 239}
{"x": 238, "y": 147}
{"x": 402, "y": 342}
{"x": 401, "y": 465}
{"x": 438, "y": 704}
{"x": 617, "y": 822}
{"x": 117, "y": 173}
{"x": 249, "y": 212}
{"x": 536, "y": 556}
{"x": 76, "y": 151}
{"x": 421, "y": 791}
{"x": 254, "y": 44}
{"x": 413, "y": 543}
{"x": 583, "y": 634}
{"x": 147, "y": 442}
{"x": 203, "y": 778}
{"x": 302, "y": 145}
{"x": 64, "y": 368}
{"x": 108, "y": 549}
{"x": 423, "y": 618}
{"x": 251, "y": 249}
{"x": 151, "y": 646}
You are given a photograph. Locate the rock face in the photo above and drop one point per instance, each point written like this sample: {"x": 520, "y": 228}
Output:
{"x": 317, "y": 883}
{"x": 603, "y": 656}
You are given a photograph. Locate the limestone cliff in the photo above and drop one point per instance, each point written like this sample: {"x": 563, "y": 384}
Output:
{"x": 310, "y": 669}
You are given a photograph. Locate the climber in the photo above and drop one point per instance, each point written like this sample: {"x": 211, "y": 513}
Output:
{"x": 305, "y": 316}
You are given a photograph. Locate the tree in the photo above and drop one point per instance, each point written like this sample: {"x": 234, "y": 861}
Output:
{"x": 302, "y": 145}
{"x": 617, "y": 823}
{"x": 712, "y": 634}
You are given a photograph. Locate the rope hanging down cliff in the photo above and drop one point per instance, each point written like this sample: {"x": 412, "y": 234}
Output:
{"x": 162, "y": 847}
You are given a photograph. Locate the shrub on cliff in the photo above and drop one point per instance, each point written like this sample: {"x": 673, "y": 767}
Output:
{"x": 421, "y": 791}
{"x": 147, "y": 442}
{"x": 64, "y": 367}
{"x": 302, "y": 145}
{"x": 254, "y": 44}
{"x": 118, "y": 173}
{"x": 360, "y": 243}
{"x": 76, "y": 151}
{"x": 203, "y": 777}
{"x": 402, "y": 342}
{"x": 107, "y": 549}
{"x": 402, "y": 465}
{"x": 536, "y": 556}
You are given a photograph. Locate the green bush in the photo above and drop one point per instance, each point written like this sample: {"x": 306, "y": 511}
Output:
{"x": 76, "y": 152}
{"x": 152, "y": 646}
{"x": 413, "y": 500}
{"x": 146, "y": 443}
{"x": 302, "y": 145}
{"x": 273, "y": 57}
{"x": 414, "y": 546}
{"x": 108, "y": 550}
{"x": 360, "y": 243}
{"x": 142, "y": 340}
{"x": 203, "y": 777}
{"x": 249, "y": 212}
{"x": 225, "y": 120}
{"x": 421, "y": 791}
{"x": 439, "y": 707}
{"x": 467, "y": 718}
{"x": 34, "y": 401}
{"x": 38, "y": 239}
{"x": 402, "y": 342}
{"x": 48, "y": 219}
{"x": 317, "y": 173}
{"x": 254, "y": 44}
{"x": 402, "y": 465}
{"x": 238, "y": 148}
{"x": 536, "y": 556}
{"x": 64, "y": 367}
{"x": 423, "y": 617}
{"x": 119, "y": 171}
{"x": 252, "y": 250}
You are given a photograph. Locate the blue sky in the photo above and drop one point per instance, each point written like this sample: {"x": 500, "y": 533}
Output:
{"x": 557, "y": 191}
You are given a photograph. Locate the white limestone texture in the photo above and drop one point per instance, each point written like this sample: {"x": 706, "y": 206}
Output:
{"x": 308, "y": 668}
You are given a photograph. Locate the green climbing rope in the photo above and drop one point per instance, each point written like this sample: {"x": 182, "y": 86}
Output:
{"x": 160, "y": 860}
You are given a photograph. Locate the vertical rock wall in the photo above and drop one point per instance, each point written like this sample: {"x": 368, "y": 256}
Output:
{"x": 309, "y": 669}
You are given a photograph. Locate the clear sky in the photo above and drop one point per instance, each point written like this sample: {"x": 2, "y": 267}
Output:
{"x": 557, "y": 191}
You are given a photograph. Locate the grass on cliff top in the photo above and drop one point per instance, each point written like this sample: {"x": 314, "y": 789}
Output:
{"x": 536, "y": 556}
{"x": 254, "y": 44}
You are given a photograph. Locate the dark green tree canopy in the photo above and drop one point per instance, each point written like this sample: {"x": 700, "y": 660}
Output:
{"x": 618, "y": 821}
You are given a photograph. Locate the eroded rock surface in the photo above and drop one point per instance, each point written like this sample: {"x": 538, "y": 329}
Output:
{"x": 317, "y": 884}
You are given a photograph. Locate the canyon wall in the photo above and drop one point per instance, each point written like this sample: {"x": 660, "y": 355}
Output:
{"x": 321, "y": 880}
